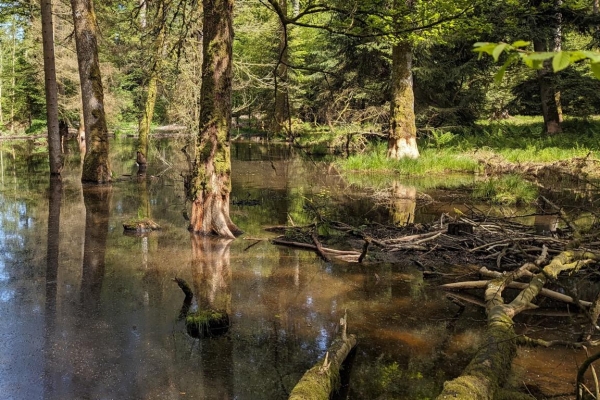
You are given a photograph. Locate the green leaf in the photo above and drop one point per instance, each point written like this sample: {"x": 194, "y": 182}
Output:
{"x": 594, "y": 56}
{"x": 484, "y": 47}
{"x": 498, "y": 50}
{"x": 520, "y": 43}
{"x": 595, "y": 67}
{"x": 575, "y": 56}
{"x": 545, "y": 55}
{"x": 500, "y": 74}
{"x": 561, "y": 61}
{"x": 531, "y": 62}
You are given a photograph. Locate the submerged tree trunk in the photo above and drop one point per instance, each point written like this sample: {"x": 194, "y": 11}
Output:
{"x": 210, "y": 184}
{"x": 54, "y": 144}
{"x": 402, "y": 141}
{"x": 96, "y": 165}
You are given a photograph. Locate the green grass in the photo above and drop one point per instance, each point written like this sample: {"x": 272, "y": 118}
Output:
{"x": 432, "y": 161}
{"x": 517, "y": 140}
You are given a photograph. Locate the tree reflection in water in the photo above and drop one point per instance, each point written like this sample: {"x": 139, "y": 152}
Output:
{"x": 403, "y": 202}
{"x": 211, "y": 271}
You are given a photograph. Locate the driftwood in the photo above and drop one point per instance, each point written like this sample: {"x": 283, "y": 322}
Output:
{"x": 490, "y": 367}
{"x": 319, "y": 382}
{"x": 340, "y": 254}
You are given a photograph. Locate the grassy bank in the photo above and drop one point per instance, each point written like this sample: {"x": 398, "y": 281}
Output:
{"x": 517, "y": 140}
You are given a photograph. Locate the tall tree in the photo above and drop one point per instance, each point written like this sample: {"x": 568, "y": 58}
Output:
{"x": 548, "y": 40}
{"x": 54, "y": 145}
{"x": 96, "y": 165}
{"x": 280, "y": 73}
{"x": 152, "y": 83}
{"x": 210, "y": 184}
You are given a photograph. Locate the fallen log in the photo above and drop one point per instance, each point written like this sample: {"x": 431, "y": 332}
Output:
{"x": 343, "y": 254}
{"x": 319, "y": 382}
{"x": 516, "y": 285}
{"x": 490, "y": 367}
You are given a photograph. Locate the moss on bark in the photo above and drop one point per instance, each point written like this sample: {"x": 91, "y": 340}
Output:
{"x": 96, "y": 164}
{"x": 403, "y": 131}
{"x": 210, "y": 183}
{"x": 319, "y": 382}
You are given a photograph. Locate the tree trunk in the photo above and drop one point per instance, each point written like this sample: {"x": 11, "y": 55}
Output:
{"x": 557, "y": 46}
{"x": 549, "y": 97}
{"x": 13, "y": 78}
{"x": 210, "y": 185}
{"x": 54, "y": 143}
{"x": 402, "y": 141}
{"x": 1, "y": 86}
{"x": 281, "y": 76}
{"x": 152, "y": 91}
{"x": 96, "y": 165}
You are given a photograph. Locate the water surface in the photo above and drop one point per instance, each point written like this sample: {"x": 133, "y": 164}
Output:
{"x": 91, "y": 313}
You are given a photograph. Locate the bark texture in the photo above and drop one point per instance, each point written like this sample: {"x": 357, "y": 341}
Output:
{"x": 210, "y": 185}
{"x": 151, "y": 91}
{"x": 51, "y": 87}
{"x": 96, "y": 165}
{"x": 281, "y": 75}
{"x": 319, "y": 382}
{"x": 402, "y": 141}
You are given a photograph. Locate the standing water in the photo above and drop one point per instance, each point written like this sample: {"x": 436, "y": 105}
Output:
{"x": 91, "y": 313}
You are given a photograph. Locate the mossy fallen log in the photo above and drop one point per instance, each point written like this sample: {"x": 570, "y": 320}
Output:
{"x": 319, "y": 382}
{"x": 490, "y": 367}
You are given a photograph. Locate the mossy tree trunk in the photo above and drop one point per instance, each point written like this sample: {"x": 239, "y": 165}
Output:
{"x": 51, "y": 86}
{"x": 210, "y": 185}
{"x": 151, "y": 90}
{"x": 402, "y": 142}
{"x": 96, "y": 165}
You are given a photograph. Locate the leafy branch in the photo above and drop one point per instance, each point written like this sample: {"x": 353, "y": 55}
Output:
{"x": 536, "y": 59}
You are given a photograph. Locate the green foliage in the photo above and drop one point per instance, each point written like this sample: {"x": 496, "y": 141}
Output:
{"x": 506, "y": 190}
{"x": 535, "y": 59}
{"x": 37, "y": 127}
{"x": 432, "y": 161}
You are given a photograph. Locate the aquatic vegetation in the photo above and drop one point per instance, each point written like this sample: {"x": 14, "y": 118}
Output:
{"x": 207, "y": 323}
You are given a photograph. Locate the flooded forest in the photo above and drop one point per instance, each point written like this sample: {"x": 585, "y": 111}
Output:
{"x": 298, "y": 199}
